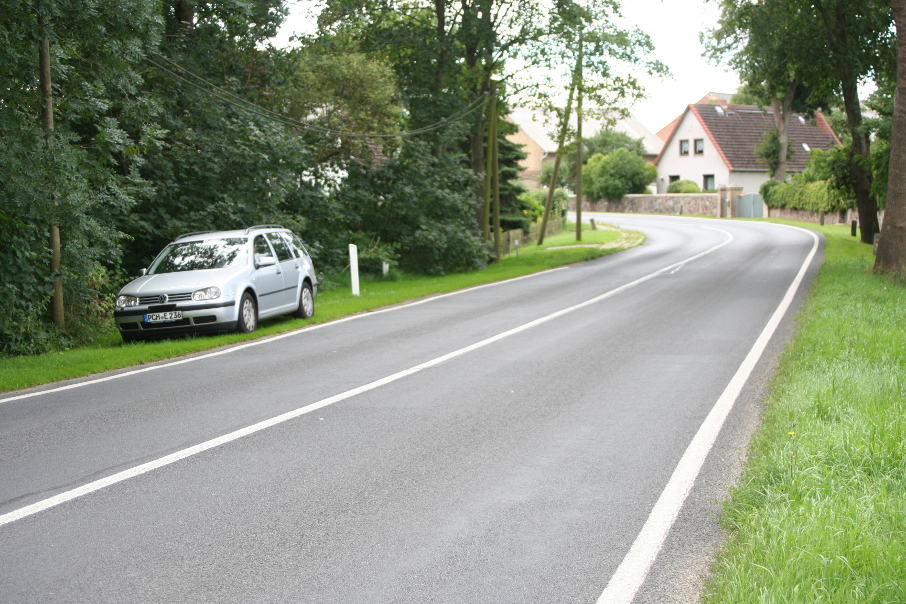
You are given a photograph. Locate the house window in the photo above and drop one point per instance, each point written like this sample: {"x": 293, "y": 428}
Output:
{"x": 674, "y": 177}
{"x": 708, "y": 182}
{"x": 699, "y": 146}
{"x": 684, "y": 147}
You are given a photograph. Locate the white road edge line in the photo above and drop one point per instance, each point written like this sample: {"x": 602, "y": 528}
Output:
{"x": 631, "y": 573}
{"x": 306, "y": 329}
{"x": 166, "y": 460}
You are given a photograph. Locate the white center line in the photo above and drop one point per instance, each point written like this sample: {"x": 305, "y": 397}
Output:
{"x": 166, "y": 460}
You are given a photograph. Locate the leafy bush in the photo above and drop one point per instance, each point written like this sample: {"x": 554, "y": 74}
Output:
{"x": 801, "y": 194}
{"x": 529, "y": 210}
{"x": 683, "y": 186}
{"x": 437, "y": 248}
{"x": 617, "y": 174}
{"x": 766, "y": 190}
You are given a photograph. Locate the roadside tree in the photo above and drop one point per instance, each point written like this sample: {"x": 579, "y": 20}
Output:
{"x": 617, "y": 174}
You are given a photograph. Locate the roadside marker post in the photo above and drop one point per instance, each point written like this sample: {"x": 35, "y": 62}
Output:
{"x": 354, "y": 268}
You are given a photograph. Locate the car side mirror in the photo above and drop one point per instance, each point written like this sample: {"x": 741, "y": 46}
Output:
{"x": 262, "y": 260}
{"x": 142, "y": 272}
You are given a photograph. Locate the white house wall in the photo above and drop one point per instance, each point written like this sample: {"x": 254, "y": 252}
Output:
{"x": 690, "y": 167}
{"x": 749, "y": 181}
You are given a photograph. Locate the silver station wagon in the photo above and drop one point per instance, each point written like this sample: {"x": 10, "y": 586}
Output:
{"x": 219, "y": 281}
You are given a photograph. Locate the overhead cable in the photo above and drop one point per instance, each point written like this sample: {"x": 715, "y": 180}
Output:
{"x": 205, "y": 85}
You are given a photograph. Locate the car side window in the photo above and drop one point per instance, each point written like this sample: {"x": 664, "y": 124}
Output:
{"x": 261, "y": 247}
{"x": 288, "y": 240}
{"x": 280, "y": 247}
{"x": 297, "y": 243}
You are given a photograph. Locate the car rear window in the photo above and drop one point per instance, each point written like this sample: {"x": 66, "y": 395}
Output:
{"x": 200, "y": 255}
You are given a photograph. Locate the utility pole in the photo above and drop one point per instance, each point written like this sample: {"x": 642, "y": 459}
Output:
{"x": 47, "y": 99}
{"x": 564, "y": 126}
{"x": 579, "y": 143}
{"x": 496, "y": 181}
{"x": 488, "y": 179}
{"x": 490, "y": 215}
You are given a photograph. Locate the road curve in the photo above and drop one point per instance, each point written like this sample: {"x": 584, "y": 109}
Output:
{"x": 503, "y": 444}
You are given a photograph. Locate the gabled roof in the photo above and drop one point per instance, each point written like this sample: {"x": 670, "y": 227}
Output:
{"x": 712, "y": 98}
{"x": 736, "y": 130}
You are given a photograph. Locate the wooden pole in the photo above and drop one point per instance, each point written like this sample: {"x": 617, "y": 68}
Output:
{"x": 56, "y": 264}
{"x": 495, "y": 171}
{"x": 486, "y": 207}
{"x": 579, "y": 144}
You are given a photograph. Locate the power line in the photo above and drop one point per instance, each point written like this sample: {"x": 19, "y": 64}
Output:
{"x": 207, "y": 86}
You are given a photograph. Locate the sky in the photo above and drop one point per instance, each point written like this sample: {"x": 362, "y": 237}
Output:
{"x": 674, "y": 27}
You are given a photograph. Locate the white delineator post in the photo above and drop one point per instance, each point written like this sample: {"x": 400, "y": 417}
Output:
{"x": 354, "y": 268}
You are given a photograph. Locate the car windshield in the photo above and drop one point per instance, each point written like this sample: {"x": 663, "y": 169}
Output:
{"x": 200, "y": 255}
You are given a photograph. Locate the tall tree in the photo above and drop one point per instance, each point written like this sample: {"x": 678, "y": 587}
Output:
{"x": 857, "y": 41}
{"x": 891, "y": 258}
{"x": 76, "y": 174}
{"x": 827, "y": 46}
{"x": 756, "y": 38}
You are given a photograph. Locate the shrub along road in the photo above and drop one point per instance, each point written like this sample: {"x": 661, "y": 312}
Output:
{"x": 506, "y": 443}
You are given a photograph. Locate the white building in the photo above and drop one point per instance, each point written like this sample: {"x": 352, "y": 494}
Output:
{"x": 714, "y": 145}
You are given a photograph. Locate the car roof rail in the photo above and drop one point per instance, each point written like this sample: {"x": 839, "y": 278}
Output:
{"x": 264, "y": 226}
{"x": 193, "y": 233}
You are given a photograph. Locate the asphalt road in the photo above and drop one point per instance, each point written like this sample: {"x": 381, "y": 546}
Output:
{"x": 520, "y": 468}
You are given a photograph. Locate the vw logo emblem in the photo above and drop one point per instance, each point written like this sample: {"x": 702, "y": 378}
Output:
{"x": 162, "y": 298}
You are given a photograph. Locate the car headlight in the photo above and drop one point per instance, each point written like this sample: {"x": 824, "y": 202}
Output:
{"x": 124, "y": 301}
{"x": 208, "y": 293}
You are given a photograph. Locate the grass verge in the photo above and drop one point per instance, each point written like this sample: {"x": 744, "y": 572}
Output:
{"x": 108, "y": 352}
{"x": 819, "y": 514}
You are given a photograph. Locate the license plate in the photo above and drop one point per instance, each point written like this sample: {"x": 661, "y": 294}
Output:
{"x": 160, "y": 317}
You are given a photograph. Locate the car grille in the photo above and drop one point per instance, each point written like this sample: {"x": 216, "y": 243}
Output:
{"x": 161, "y": 298}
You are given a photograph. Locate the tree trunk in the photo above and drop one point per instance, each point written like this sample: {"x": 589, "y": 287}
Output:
{"x": 56, "y": 265}
{"x": 579, "y": 143}
{"x": 834, "y": 20}
{"x": 564, "y": 127}
{"x": 185, "y": 13}
{"x": 891, "y": 258}
{"x": 782, "y": 109}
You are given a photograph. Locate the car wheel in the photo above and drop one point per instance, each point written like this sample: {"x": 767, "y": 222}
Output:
{"x": 306, "y": 302}
{"x": 248, "y": 314}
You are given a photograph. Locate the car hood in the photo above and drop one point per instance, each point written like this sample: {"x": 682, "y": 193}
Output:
{"x": 181, "y": 282}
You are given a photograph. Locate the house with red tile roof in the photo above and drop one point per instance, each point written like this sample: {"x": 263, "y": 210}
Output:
{"x": 713, "y": 144}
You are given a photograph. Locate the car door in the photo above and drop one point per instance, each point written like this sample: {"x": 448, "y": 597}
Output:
{"x": 289, "y": 266}
{"x": 268, "y": 280}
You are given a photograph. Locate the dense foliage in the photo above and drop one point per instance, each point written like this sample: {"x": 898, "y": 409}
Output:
{"x": 822, "y": 187}
{"x": 178, "y": 115}
{"x": 616, "y": 174}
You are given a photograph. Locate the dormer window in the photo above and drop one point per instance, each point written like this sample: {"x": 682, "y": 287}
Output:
{"x": 684, "y": 147}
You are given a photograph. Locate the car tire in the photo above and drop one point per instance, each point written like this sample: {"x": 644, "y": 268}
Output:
{"x": 248, "y": 314}
{"x": 306, "y": 307}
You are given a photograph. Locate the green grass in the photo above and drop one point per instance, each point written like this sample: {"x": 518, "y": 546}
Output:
{"x": 108, "y": 352}
{"x": 819, "y": 514}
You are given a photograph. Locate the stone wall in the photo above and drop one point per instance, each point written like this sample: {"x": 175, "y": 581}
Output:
{"x": 808, "y": 216}
{"x": 707, "y": 204}
{"x": 844, "y": 217}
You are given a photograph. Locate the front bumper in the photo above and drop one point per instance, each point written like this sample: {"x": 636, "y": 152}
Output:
{"x": 196, "y": 318}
